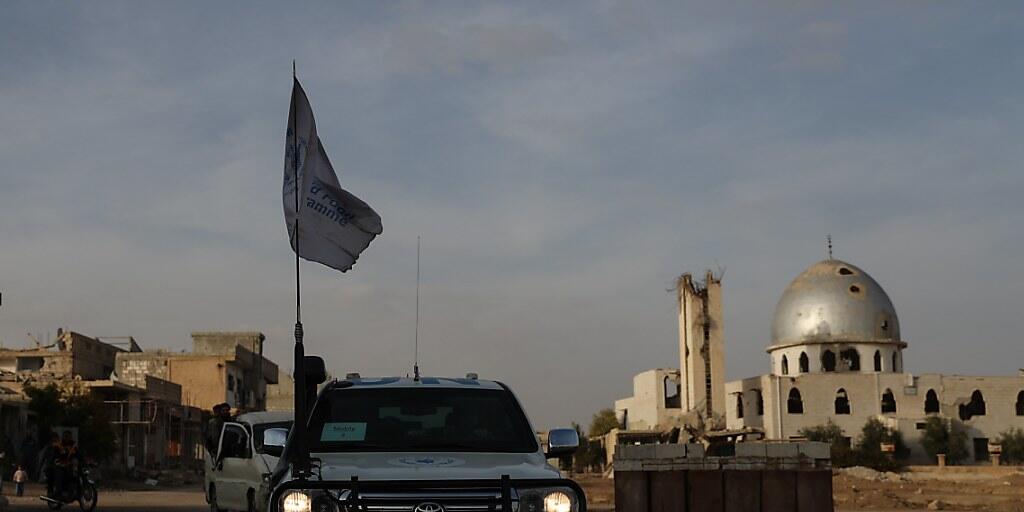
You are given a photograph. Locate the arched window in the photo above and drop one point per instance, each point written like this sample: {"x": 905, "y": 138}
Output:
{"x": 895, "y": 368}
{"x": 878, "y": 361}
{"x": 785, "y": 365}
{"x": 795, "y": 404}
{"x": 888, "y": 402}
{"x": 671, "y": 393}
{"x": 931, "y": 402}
{"x": 759, "y": 399}
{"x": 805, "y": 364}
{"x": 828, "y": 361}
{"x": 976, "y": 407}
{"x": 851, "y": 360}
{"x": 842, "y": 402}
{"x": 1020, "y": 403}
{"x": 739, "y": 405}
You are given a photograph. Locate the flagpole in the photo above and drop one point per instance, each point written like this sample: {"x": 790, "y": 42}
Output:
{"x": 301, "y": 460}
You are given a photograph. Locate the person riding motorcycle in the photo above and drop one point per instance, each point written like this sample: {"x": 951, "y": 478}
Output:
{"x": 47, "y": 457}
{"x": 66, "y": 460}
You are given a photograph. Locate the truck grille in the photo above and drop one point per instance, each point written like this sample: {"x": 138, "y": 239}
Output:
{"x": 452, "y": 500}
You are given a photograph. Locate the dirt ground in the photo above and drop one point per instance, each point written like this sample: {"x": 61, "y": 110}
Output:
{"x": 995, "y": 489}
{"x": 155, "y": 500}
{"x": 963, "y": 488}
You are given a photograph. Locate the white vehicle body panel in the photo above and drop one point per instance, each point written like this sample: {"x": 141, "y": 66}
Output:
{"x": 234, "y": 477}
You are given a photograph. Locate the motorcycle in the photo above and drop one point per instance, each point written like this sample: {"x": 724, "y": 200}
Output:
{"x": 79, "y": 488}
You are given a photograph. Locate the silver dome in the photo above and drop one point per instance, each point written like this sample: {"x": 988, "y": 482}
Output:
{"x": 834, "y": 301}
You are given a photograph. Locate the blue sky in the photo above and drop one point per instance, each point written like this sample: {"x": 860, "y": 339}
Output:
{"x": 562, "y": 162}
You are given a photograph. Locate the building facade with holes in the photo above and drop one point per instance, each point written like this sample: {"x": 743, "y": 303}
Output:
{"x": 837, "y": 355}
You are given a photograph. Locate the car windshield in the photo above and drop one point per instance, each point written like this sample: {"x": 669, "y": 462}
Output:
{"x": 258, "y": 430}
{"x": 420, "y": 419}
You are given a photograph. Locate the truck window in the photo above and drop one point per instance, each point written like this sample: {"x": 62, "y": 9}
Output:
{"x": 420, "y": 419}
{"x": 258, "y": 430}
{"x": 234, "y": 443}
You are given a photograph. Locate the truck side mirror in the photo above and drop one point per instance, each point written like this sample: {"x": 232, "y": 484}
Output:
{"x": 316, "y": 371}
{"x": 562, "y": 441}
{"x": 316, "y": 374}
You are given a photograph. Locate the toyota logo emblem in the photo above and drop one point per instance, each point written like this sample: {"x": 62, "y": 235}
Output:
{"x": 428, "y": 507}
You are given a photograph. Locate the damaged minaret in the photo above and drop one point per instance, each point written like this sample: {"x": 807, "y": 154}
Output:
{"x": 701, "y": 345}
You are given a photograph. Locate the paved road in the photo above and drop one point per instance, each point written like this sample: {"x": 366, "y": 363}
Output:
{"x": 179, "y": 500}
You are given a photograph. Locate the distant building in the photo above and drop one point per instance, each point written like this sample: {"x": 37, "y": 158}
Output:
{"x": 281, "y": 396}
{"x": 836, "y": 355}
{"x": 222, "y": 367}
{"x": 149, "y": 420}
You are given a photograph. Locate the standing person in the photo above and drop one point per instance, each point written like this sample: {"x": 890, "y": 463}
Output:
{"x": 20, "y": 477}
{"x": 221, "y": 415}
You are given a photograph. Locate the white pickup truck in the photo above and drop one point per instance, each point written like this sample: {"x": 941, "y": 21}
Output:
{"x": 236, "y": 476}
{"x": 425, "y": 445}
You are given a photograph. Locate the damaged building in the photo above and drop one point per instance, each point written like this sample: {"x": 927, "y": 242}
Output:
{"x": 836, "y": 355}
{"x": 156, "y": 400}
{"x": 150, "y": 423}
{"x": 223, "y": 367}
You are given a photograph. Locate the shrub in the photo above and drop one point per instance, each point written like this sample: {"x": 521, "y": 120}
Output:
{"x": 869, "y": 447}
{"x": 603, "y": 422}
{"x": 842, "y": 454}
{"x": 55, "y": 407}
{"x": 946, "y": 437}
{"x": 868, "y": 450}
{"x": 1012, "y": 442}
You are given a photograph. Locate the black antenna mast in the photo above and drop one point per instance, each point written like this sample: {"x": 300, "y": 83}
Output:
{"x": 416, "y": 336}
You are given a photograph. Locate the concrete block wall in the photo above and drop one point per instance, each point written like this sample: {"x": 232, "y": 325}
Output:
{"x": 761, "y": 477}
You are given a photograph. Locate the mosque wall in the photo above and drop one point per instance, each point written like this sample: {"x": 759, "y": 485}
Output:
{"x": 791, "y": 360}
{"x": 798, "y": 402}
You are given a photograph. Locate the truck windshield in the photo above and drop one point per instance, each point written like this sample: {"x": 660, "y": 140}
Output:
{"x": 420, "y": 419}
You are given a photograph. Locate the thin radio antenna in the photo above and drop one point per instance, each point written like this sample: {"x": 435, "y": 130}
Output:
{"x": 416, "y": 336}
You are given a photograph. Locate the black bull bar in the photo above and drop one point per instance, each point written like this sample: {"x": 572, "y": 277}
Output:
{"x": 354, "y": 503}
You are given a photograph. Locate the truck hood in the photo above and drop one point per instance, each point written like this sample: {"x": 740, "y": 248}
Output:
{"x": 434, "y": 466}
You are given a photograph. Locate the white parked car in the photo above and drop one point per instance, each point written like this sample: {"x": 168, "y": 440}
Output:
{"x": 429, "y": 445}
{"x": 237, "y": 476}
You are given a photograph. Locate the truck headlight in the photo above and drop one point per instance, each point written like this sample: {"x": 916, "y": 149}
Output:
{"x": 550, "y": 499}
{"x": 296, "y": 501}
{"x": 557, "y": 501}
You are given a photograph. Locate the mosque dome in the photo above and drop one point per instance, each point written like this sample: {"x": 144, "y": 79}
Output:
{"x": 834, "y": 301}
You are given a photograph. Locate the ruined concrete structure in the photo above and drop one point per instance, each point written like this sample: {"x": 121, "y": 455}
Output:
{"x": 836, "y": 355}
{"x": 155, "y": 399}
{"x": 222, "y": 367}
{"x": 701, "y": 344}
{"x": 148, "y": 418}
{"x": 666, "y": 398}
{"x": 71, "y": 354}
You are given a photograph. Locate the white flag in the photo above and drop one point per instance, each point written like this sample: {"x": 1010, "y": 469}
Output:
{"x": 333, "y": 225}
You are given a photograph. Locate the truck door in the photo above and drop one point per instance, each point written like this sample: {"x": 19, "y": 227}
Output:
{"x": 234, "y": 455}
